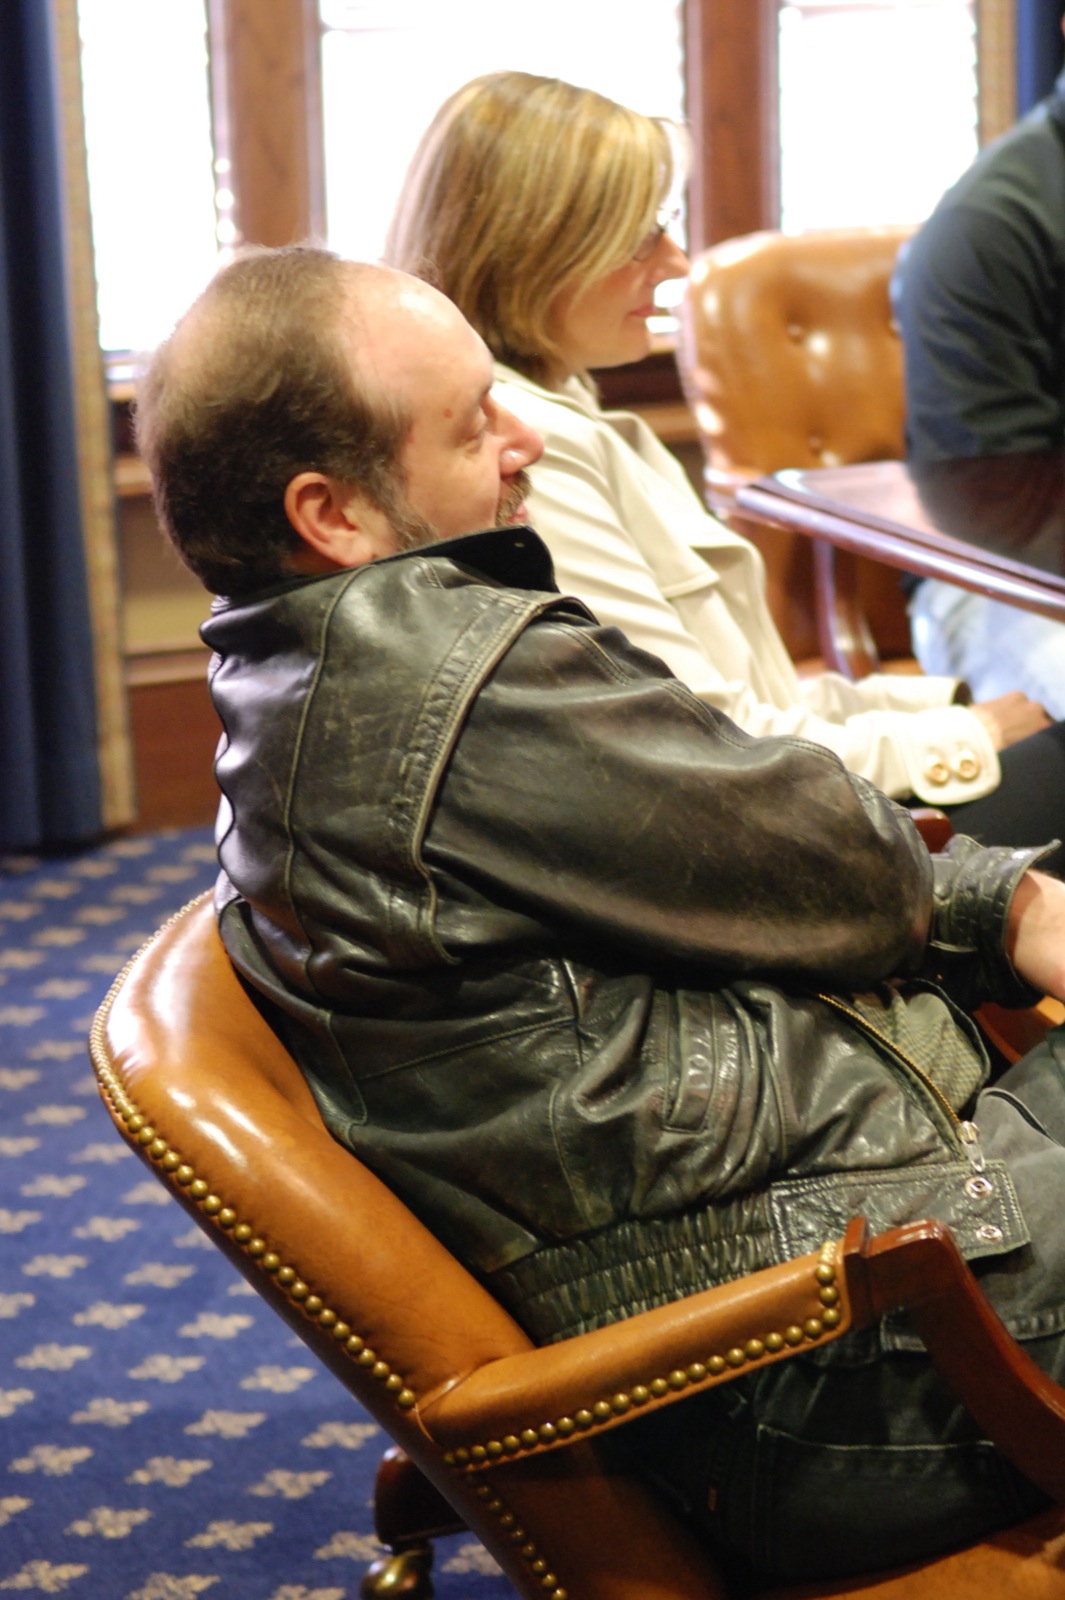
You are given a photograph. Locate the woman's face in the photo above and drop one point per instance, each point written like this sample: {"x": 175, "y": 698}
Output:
{"x": 606, "y": 325}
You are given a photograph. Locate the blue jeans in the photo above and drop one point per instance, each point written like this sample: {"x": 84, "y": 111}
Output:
{"x": 994, "y": 646}
{"x": 815, "y": 1471}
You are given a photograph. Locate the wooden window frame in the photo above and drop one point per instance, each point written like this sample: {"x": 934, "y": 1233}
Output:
{"x": 266, "y": 103}
{"x": 731, "y": 70}
{"x": 266, "y": 95}
{"x": 731, "y": 59}
{"x": 266, "y": 92}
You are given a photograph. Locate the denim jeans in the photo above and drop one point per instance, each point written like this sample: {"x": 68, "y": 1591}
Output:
{"x": 994, "y": 646}
{"x": 827, "y": 1469}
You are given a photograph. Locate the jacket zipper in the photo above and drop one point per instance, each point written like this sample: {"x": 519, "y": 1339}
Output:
{"x": 967, "y": 1133}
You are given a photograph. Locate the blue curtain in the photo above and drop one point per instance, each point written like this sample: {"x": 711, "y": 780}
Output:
{"x": 49, "y": 783}
{"x": 1040, "y": 50}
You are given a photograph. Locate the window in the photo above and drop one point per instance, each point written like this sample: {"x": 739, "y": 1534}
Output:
{"x": 388, "y": 64}
{"x": 878, "y": 108}
{"x": 876, "y": 114}
{"x": 150, "y": 159}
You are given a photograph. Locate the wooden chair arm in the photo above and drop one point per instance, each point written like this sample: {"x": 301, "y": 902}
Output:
{"x": 934, "y": 826}
{"x": 541, "y": 1399}
{"x": 1014, "y": 1032}
{"x": 544, "y": 1399}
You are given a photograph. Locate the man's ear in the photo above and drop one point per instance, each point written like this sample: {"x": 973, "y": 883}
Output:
{"x": 340, "y": 527}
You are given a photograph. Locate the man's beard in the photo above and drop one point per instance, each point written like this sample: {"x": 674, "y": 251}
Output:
{"x": 412, "y": 532}
{"x": 512, "y": 499}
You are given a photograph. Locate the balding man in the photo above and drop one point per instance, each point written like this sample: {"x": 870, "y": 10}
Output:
{"x": 621, "y": 1001}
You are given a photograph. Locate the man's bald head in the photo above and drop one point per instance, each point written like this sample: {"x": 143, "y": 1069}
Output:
{"x": 255, "y": 385}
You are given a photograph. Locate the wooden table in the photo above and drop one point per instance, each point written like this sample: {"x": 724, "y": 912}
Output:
{"x": 996, "y": 525}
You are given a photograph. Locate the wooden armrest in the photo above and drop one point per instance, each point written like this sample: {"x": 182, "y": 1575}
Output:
{"x": 540, "y": 1399}
{"x": 934, "y": 826}
{"x": 544, "y": 1399}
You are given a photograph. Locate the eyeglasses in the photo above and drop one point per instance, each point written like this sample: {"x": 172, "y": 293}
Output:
{"x": 649, "y": 243}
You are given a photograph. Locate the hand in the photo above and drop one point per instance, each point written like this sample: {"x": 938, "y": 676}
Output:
{"x": 1035, "y": 940}
{"x": 1011, "y": 717}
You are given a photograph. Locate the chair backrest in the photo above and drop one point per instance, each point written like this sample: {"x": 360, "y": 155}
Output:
{"x": 789, "y": 357}
{"x": 202, "y": 1088}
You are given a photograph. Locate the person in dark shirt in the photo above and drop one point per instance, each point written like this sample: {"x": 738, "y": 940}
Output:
{"x": 979, "y": 295}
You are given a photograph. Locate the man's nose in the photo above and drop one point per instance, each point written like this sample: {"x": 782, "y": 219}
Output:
{"x": 521, "y": 447}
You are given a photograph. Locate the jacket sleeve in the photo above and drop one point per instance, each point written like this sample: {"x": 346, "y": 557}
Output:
{"x": 966, "y": 953}
{"x": 600, "y": 508}
{"x": 979, "y": 303}
{"x": 591, "y": 793}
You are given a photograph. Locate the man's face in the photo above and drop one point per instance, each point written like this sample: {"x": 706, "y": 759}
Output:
{"x": 464, "y": 456}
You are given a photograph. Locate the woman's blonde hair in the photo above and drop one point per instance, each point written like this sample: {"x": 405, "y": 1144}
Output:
{"x": 524, "y": 188}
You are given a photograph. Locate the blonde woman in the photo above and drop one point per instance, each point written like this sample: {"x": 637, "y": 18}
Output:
{"x": 542, "y": 210}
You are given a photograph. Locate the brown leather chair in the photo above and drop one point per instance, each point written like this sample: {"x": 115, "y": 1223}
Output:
{"x": 495, "y": 1435}
{"x": 789, "y": 357}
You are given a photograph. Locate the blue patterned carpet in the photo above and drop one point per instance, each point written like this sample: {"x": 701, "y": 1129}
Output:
{"x": 162, "y": 1434}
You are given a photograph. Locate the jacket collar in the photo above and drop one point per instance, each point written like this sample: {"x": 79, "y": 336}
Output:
{"x": 515, "y": 558}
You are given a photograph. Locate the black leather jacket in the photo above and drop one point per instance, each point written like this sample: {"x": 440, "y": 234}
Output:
{"x": 547, "y": 936}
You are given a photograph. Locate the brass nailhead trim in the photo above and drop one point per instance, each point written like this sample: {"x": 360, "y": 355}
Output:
{"x": 517, "y": 1535}
{"x": 721, "y": 1362}
{"x": 144, "y": 1133}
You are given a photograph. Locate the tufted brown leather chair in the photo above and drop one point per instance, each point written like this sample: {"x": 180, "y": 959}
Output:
{"x": 789, "y": 357}
{"x": 495, "y": 1435}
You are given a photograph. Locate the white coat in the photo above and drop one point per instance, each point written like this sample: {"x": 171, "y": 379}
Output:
{"x": 629, "y": 537}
